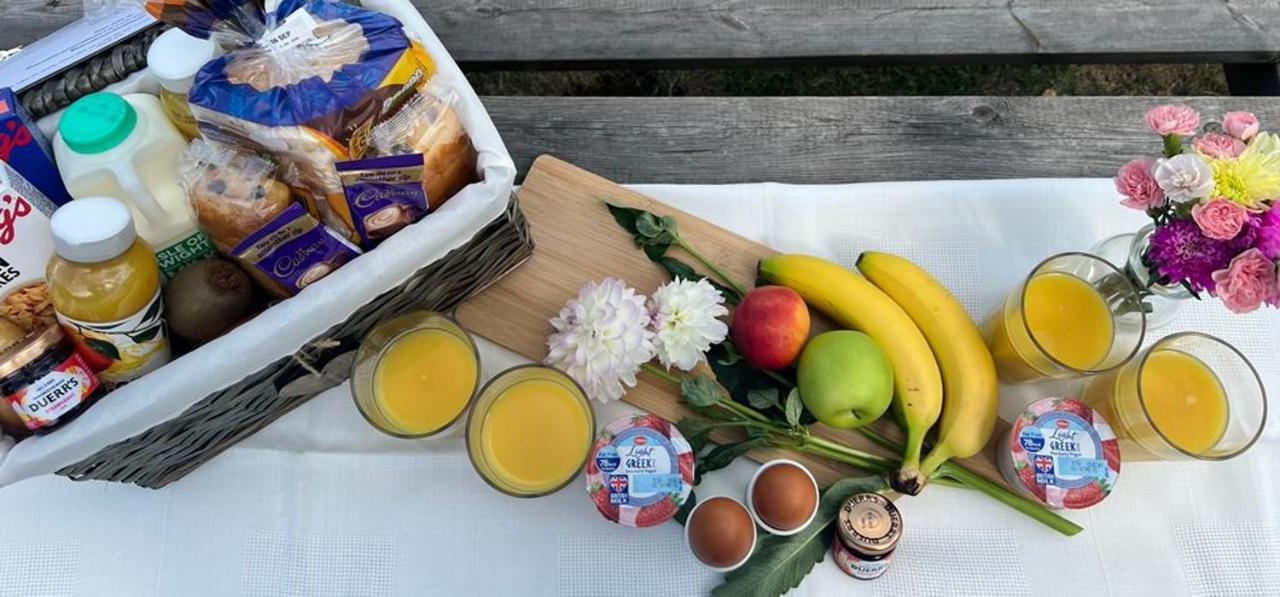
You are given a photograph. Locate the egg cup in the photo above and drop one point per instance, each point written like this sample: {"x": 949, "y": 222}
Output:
{"x": 751, "y": 508}
{"x": 755, "y": 536}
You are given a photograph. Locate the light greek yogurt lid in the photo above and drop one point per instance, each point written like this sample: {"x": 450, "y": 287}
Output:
{"x": 1065, "y": 453}
{"x": 640, "y": 471}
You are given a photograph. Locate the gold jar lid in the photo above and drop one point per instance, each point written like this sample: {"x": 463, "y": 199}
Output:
{"x": 870, "y": 523}
{"x": 29, "y": 349}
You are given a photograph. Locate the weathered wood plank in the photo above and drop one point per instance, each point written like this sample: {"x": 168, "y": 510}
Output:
{"x": 847, "y": 139}
{"x": 584, "y": 32}
{"x": 866, "y": 31}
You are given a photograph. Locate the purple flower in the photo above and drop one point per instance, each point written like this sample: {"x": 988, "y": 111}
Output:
{"x": 1268, "y": 233}
{"x": 1184, "y": 254}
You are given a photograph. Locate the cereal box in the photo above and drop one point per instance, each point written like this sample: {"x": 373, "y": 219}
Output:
{"x": 26, "y": 150}
{"x": 25, "y": 247}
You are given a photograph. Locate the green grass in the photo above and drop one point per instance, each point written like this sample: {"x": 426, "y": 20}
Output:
{"x": 1161, "y": 79}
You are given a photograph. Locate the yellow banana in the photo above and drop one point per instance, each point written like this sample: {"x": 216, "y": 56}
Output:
{"x": 970, "y": 393}
{"x": 853, "y": 302}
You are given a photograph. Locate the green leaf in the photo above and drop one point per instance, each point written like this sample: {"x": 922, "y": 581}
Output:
{"x": 682, "y": 514}
{"x": 700, "y": 391}
{"x": 738, "y": 379}
{"x": 678, "y": 269}
{"x": 731, "y": 354}
{"x": 655, "y": 251}
{"x": 723, "y": 455}
{"x": 695, "y": 431}
{"x": 762, "y": 399}
{"x": 780, "y": 563}
{"x": 103, "y": 348}
{"x": 649, "y": 225}
{"x": 624, "y": 216}
{"x": 794, "y": 407}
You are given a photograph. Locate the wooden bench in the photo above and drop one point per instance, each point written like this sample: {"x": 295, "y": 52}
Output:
{"x": 832, "y": 139}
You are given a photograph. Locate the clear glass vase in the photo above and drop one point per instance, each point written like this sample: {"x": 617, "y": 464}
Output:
{"x": 1125, "y": 251}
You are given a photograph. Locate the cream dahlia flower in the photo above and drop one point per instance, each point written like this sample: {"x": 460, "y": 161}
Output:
{"x": 686, "y": 318}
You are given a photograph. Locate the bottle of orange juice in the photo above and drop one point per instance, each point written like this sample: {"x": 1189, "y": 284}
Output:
{"x": 104, "y": 284}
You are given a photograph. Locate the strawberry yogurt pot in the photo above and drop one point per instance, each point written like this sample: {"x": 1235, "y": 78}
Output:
{"x": 1062, "y": 453}
{"x": 640, "y": 471}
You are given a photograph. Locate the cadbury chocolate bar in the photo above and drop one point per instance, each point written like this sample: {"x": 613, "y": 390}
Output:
{"x": 295, "y": 249}
{"x": 383, "y": 194}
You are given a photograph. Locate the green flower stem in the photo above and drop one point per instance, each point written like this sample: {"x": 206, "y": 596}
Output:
{"x": 945, "y": 482}
{"x": 1172, "y": 145}
{"x": 660, "y": 372}
{"x": 1026, "y": 506}
{"x": 837, "y": 448}
{"x": 881, "y": 440}
{"x": 873, "y": 466}
{"x": 775, "y": 376}
{"x": 711, "y": 266}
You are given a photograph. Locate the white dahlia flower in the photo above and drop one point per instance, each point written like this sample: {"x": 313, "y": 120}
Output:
{"x": 602, "y": 338}
{"x": 685, "y": 317}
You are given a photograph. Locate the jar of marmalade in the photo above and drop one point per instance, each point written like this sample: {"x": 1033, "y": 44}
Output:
{"x": 45, "y": 382}
{"x": 868, "y": 527}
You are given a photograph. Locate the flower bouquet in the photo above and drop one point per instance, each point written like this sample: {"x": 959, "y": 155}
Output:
{"x": 1212, "y": 198}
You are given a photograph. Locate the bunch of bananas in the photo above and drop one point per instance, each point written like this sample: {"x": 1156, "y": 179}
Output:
{"x": 943, "y": 371}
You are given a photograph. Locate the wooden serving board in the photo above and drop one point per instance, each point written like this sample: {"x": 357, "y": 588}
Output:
{"x": 576, "y": 241}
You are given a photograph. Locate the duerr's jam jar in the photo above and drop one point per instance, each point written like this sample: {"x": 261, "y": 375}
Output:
{"x": 45, "y": 382}
{"x": 868, "y": 527}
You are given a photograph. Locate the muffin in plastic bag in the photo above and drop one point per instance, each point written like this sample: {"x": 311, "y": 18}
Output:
{"x": 252, "y": 217}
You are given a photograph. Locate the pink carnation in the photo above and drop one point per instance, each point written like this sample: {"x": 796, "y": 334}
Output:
{"x": 1220, "y": 219}
{"x": 1248, "y": 282}
{"x": 1138, "y": 185}
{"x": 1241, "y": 125}
{"x": 1173, "y": 120}
{"x": 1219, "y": 146}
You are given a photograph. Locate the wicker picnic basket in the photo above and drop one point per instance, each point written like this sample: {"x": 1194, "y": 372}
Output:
{"x": 159, "y": 428}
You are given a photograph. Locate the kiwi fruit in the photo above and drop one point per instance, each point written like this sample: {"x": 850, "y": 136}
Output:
{"x": 206, "y": 299}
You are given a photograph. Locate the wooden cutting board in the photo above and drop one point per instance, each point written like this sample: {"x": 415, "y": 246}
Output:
{"x": 576, "y": 241}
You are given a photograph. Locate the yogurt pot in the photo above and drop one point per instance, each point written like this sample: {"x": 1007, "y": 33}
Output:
{"x": 640, "y": 471}
{"x": 1062, "y": 453}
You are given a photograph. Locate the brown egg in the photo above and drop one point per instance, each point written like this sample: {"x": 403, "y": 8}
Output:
{"x": 721, "y": 533}
{"x": 784, "y": 497}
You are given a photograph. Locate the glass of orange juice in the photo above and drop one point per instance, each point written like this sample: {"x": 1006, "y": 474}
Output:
{"x": 1189, "y": 396}
{"x": 415, "y": 374}
{"x": 1075, "y": 315}
{"x": 530, "y": 431}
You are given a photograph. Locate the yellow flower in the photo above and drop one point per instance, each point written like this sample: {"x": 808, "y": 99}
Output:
{"x": 1250, "y": 179}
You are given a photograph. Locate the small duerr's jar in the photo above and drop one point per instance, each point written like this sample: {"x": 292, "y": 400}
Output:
{"x": 45, "y": 382}
{"x": 868, "y": 528}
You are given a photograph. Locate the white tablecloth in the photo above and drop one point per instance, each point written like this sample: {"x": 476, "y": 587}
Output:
{"x": 319, "y": 503}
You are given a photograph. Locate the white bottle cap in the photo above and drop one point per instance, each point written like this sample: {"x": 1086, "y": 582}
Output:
{"x": 92, "y": 229}
{"x": 175, "y": 57}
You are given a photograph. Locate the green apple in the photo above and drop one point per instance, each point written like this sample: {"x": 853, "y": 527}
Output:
{"x": 845, "y": 379}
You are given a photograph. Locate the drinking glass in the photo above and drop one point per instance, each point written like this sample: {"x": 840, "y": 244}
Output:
{"x": 372, "y": 348}
{"x": 1020, "y": 350}
{"x": 481, "y": 449}
{"x": 1130, "y": 399}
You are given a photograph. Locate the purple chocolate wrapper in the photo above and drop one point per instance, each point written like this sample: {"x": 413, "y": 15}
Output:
{"x": 383, "y": 194}
{"x": 295, "y": 249}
